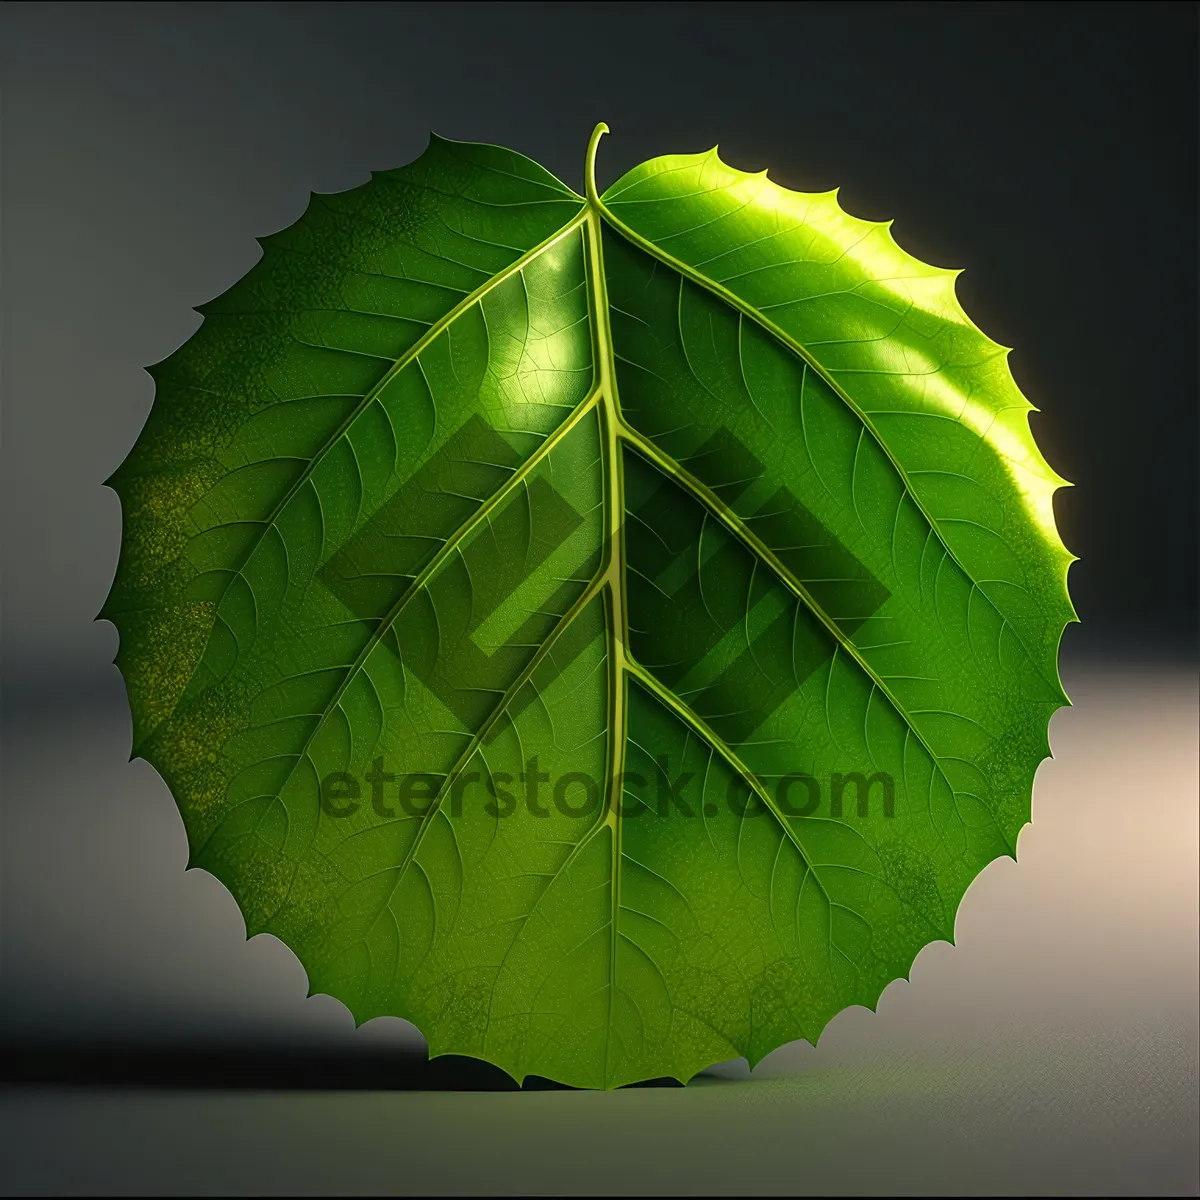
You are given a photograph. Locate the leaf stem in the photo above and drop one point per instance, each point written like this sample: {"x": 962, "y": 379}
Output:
{"x": 589, "y": 171}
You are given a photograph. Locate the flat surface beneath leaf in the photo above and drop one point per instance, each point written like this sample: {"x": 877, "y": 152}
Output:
{"x": 1054, "y": 1050}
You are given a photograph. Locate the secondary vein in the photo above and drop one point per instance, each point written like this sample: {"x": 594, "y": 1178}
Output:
{"x": 805, "y": 355}
{"x": 706, "y": 733}
{"x": 449, "y": 547}
{"x": 730, "y": 521}
{"x": 410, "y": 355}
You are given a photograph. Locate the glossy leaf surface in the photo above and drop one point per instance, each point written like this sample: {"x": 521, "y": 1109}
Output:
{"x": 610, "y": 633}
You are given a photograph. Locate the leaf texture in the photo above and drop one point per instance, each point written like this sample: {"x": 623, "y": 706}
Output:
{"x": 609, "y": 632}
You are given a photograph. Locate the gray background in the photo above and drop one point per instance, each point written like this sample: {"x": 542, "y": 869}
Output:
{"x": 1049, "y": 150}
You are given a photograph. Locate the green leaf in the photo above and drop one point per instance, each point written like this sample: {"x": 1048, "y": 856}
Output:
{"x": 610, "y": 633}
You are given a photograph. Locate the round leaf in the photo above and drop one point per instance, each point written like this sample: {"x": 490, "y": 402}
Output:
{"x": 609, "y": 632}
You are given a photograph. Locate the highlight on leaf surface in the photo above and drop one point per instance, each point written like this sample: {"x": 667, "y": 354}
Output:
{"x": 610, "y": 632}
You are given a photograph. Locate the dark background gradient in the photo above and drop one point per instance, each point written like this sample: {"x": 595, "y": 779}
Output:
{"x": 1051, "y": 150}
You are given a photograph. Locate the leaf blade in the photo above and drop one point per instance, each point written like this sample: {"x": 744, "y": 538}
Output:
{"x": 546, "y": 490}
